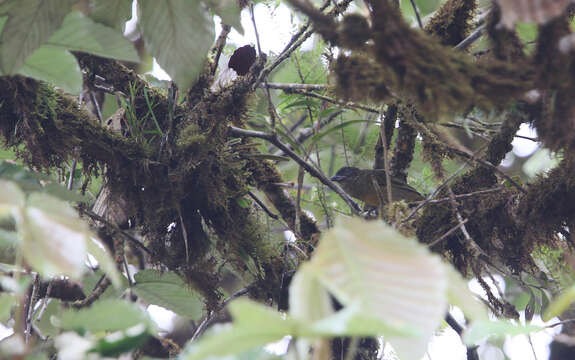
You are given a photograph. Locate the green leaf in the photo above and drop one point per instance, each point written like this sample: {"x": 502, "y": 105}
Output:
{"x": 11, "y": 197}
{"x": 53, "y": 236}
{"x": 30, "y": 23}
{"x": 308, "y": 299}
{"x": 253, "y": 354}
{"x": 323, "y": 133}
{"x": 112, "y": 13}
{"x": 168, "y": 290}
{"x": 394, "y": 279}
{"x": 44, "y": 324}
{"x": 243, "y": 203}
{"x": 353, "y": 321}
{"x": 179, "y": 34}
{"x": 107, "y": 264}
{"x": 27, "y": 180}
{"x": 7, "y": 301}
{"x": 80, "y": 33}
{"x": 459, "y": 295}
{"x": 313, "y": 104}
{"x": 267, "y": 157}
{"x": 560, "y": 304}
{"x": 229, "y": 11}
{"x": 236, "y": 339}
{"x": 121, "y": 341}
{"x": 7, "y": 239}
{"x": 61, "y": 192}
{"x": 495, "y": 329}
{"x": 103, "y": 315}
{"x": 254, "y": 325}
{"x": 56, "y": 66}
{"x": 92, "y": 278}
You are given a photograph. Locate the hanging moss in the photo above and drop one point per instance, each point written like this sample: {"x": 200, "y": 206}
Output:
{"x": 354, "y": 32}
{"x": 505, "y": 44}
{"x": 451, "y": 23}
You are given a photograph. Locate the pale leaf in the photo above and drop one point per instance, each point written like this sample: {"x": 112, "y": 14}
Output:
{"x": 30, "y": 23}
{"x": 179, "y": 34}
{"x": 11, "y": 197}
{"x": 53, "y": 237}
{"x": 394, "y": 278}
{"x": 112, "y": 13}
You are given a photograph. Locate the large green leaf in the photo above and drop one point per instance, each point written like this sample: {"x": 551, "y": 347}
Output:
{"x": 81, "y": 33}
{"x": 11, "y": 197}
{"x": 459, "y": 295}
{"x": 56, "y": 66}
{"x": 483, "y": 329}
{"x": 354, "y": 321}
{"x": 97, "y": 249}
{"x": 179, "y": 34}
{"x": 560, "y": 304}
{"x": 120, "y": 342}
{"x": 308, "y": 299}
{"x": 43, "y": 323}
{"x": 254, "y": 325}
{"x": 104, "y": 315}
{"x": 168, "y": 290}
{"x": 30, "y": 23}
{"x": 112, "y": 13}
{"x": 393, "y": 278}
{"x": 229, "y": 11}
{"x": 7, "y": 301}
{"x": 53, "y": 236}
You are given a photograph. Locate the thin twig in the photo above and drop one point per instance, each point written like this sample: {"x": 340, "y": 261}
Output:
{"x": 297, "y": 39}
{"x": 294, "y": 86}
{"x": 489, "y": 165}
{"x": 304, "y": 135}
{"x": 272, "y": 138}
{"x": 99, "y": 289}
{"x": 455, "y": 206}
{"x": 417, "y": 15}
{"x": 184, "y": 233}
{"x": 470, "y": 242}
{"x": 219, "y": 46}
{"x": 462, "y": 196}
{"x": 465, "y": 43}
{"x": 129, "y": 236}
{"x": 346, "y": 104}
{"x": 204, "y": 324}
{"x": 45, "y": 301}
{"x": 449, "y": 232}
{"x": 352, "y": 348}
{"x": 435, "y": 192}
{"x": 380, "y": 196}
{"x": 30, "y": 307}
{"x": 385, "y": 158}
{"x": 263, "y": 206}
{"x": 73, "y": 169}
{"x": 97, "y": 107}
{"x": 271, "y": 108}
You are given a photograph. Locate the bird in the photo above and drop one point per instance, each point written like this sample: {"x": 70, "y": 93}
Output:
{"x": 358, "y": 183}
{"x": 242, "y": 59}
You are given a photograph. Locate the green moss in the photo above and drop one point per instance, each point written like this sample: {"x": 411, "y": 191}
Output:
{"x": 190, "y": 137}
{"x": 451, "y": 23}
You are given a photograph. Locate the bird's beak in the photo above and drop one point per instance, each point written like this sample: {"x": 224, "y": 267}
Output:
{"x": 336, "y": 178}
